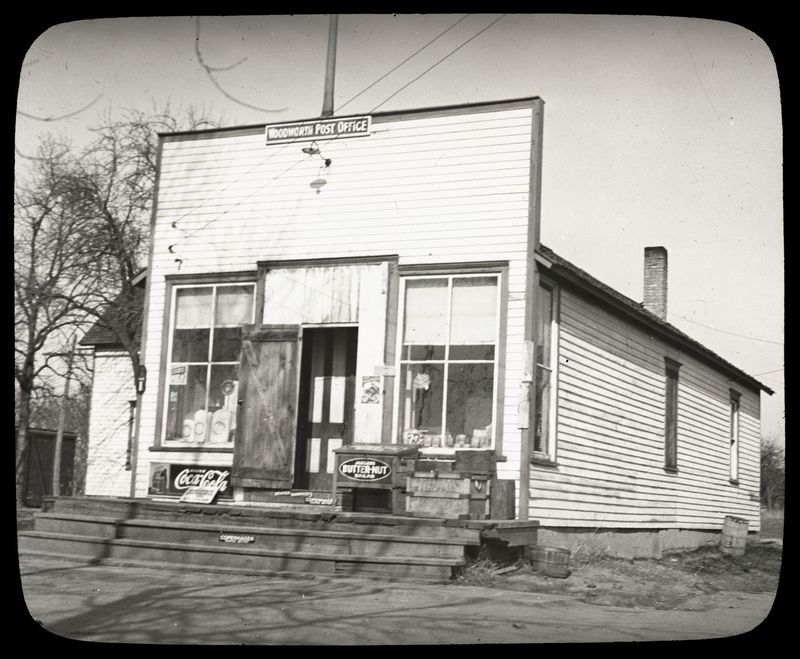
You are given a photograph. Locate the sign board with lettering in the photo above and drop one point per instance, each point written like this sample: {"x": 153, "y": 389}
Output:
{"x": 175, "y": 479}
{"x": 177, "y": 375}
{"x": 365, "y": 469}
{"x": 236, "y": 538}
{"x": 200, "y": 494}
{"x": 321, "y": 129}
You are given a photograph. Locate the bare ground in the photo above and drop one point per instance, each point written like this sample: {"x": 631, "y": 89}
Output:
{"x": 686, "y": 580}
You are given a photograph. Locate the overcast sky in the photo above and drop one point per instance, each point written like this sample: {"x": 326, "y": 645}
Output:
{"x": 657, "y": 131}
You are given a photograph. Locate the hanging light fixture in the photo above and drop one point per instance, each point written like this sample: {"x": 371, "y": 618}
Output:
{"x": 318, "y": 183}
{"x": 313, "y": 150}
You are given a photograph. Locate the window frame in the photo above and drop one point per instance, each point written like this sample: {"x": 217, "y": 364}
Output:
{"x": 549, "y": 456}
{"x": 734, "y": 436}
{"x": 671, "y": 401}
{"x": 173, "y": 284}
{"x": 450, "y": 274}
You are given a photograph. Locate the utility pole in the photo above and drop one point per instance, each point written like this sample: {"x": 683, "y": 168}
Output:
{"x": 330, "y": 67}
{"x": 62, "y": 414}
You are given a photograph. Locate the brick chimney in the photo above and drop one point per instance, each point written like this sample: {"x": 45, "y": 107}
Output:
{"x": 655, "y": 281}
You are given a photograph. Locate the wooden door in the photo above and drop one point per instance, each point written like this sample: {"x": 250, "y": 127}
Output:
{"x": 327, "y": 396}
{"x": 263, "y": 453}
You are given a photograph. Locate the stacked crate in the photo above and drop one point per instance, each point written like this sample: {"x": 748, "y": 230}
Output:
{"x": 456, "y": 488}
{"x": 386, "y": 494}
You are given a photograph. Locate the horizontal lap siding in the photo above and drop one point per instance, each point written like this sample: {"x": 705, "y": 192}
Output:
{"x": 112, "y": 388}
{"x": 610, "y": 433}
{"x": 431, "y": 190}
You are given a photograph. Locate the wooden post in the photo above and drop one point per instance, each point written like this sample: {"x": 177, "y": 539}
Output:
{"x": 531, "y": 300}
{"x": 62, "y": 413}
{"x": 330, "y": 67}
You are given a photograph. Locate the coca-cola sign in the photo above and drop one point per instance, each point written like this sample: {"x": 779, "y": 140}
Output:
{"x": 175, "y": 479}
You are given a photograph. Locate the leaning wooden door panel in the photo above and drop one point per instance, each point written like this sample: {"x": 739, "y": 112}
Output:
{"x": 263, "y": 454}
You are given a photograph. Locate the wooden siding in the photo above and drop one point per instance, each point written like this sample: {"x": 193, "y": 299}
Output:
{"x": 610, "y": 434}
{"x": 448, "y": 188}
{"x": 112, "y": 388}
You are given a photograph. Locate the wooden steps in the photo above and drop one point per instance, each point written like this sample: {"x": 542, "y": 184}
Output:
{"x": 259, "y": 540}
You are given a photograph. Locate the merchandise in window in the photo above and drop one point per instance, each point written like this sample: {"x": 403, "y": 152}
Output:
{"x": 203, "y": 372}
{"x": 448, "y": 361}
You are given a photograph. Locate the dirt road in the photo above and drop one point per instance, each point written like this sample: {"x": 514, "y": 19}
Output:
{"x": 178, "y": 606}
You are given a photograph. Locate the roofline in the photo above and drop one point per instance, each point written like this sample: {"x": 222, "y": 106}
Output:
{"x": 378, "y": 117}
{"x": 139, "y": 277}
{"x": 562, "y": 269}
{"x": 46, "y": 431}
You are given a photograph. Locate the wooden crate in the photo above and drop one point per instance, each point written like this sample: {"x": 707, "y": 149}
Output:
{"x": 502, "y": 504}
{"x": 389, "y": 500}
{"x": 476, "y": 462}
{"x": 452, "y": 495}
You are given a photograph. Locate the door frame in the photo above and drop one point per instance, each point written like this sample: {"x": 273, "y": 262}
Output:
{"x": 300, "y": 472}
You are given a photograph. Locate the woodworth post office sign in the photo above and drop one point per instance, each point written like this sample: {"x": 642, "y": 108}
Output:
{"x": 305, "y": 131}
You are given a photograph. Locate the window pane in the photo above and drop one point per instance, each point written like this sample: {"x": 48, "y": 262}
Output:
{"x": 470, "y": 394}
{"x": 193, "y": 307}
{"x": 474, "y": 315}
{"x": 234, "y": 305}
{"x": 190, "y": 345}
{"x": 186, "y": 415}
{"x": 424, "y": 353}
{"x": 426, "y": 311}
{"x": 542, "y": 427}
{"x": 421, "y": 402}
{"x": 223, "y": 394}
{"x": 472, "y": 352}
{"x": 544, "y": 323}
{"x": 227, "y": 344}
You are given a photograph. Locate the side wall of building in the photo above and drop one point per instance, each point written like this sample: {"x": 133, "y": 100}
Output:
{"x": 610, "y": 433}
{"x": 109, "y": 416}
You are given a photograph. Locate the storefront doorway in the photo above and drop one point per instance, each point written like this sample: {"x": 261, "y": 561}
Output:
{"x": 325, "y": 403}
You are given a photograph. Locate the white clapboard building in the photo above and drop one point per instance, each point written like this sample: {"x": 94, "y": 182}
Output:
{"x": 378, "y": 280}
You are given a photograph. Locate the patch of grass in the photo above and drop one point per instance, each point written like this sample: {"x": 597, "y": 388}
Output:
{"x": 482, "y": 570}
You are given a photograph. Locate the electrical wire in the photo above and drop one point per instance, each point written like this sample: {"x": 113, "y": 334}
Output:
{"x": 389, "y": 72}
{"x": 261, "y": 187}
{"x": 452, "y": 52}
{"x": 716, "y": 329}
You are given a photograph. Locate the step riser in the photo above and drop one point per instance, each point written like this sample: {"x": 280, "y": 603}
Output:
{"x": 91, "y": 528}
{"x": 249, "y": 517}
{"x": 99, "y": 549}
{"x": 332, "y": 546}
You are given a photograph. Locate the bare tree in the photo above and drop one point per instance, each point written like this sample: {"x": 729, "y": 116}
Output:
{"x": 81, "y": 233}
{"x": 51, "y": 278}
{"x": 114, "y": 178}
{"x": 773, "y": 474}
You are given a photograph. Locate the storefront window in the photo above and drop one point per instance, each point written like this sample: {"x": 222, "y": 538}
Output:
{"x": 203, "y": 372}
{"x": 447, "y": 361}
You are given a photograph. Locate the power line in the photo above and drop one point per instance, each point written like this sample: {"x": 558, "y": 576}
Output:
{"x": 261, "y": 187}
{"x": 452, "y": 52}
{"x": 777, "y": 370}
{"x": 414, "y": 54}
{"x": 716, "y": 329}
